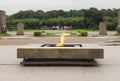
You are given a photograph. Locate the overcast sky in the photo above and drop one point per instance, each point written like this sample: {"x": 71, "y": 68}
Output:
{"x": 13, "y": 6}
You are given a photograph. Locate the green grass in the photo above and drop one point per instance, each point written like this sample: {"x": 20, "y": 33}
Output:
{"x": 49, "y": 35}
{"x": 74, "y": 35}
{"x": 117, "y": 34}
{"x": 54, "y": 35}
{"x": 4, "y": 34}
{"x": 91, "y": 30}
{"x": 32, "y": 30}
{"x": 24, "y": 30}
{"x": 29, "y": 30}
{"x": 76, "y": 30}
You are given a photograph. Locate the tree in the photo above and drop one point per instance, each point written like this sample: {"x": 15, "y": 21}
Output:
{"x": 92, "y": 18}
{"x": 84, "y": 18}
{"x": 39, "y": 14}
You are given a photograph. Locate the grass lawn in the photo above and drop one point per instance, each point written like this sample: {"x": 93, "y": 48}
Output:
{"x": 117, "y": 34}
{"x": 56, "y": 35}
{"x": 85, "y": 30}
{"x": 26, "y": 30}
{"x": 4, "y": 34}
{"x": 50, "y": 35}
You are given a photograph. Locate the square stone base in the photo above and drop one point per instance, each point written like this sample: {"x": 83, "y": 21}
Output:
{"x": 38, "y": 55}
{"x": 57, "y": 62}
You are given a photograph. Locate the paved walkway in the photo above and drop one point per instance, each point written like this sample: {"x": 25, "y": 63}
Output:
{"x": 107, "y": 70}
{"x": 29, "y": 39}
{"x": 44, "y": 40}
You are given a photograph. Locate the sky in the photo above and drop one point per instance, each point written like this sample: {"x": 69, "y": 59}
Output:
{"x": 14, "y": 6}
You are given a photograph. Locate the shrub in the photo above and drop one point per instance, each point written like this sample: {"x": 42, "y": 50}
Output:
{"x": 83, "y": 33}
{"x": 37, "y": 33}
{"x": 42, "y": 31}
{"x": 79, "y": 31}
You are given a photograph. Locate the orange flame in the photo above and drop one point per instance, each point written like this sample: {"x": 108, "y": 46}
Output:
{"x": 62, "y": 39}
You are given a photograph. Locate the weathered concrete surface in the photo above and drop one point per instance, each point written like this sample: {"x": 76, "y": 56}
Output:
{"x": 102, "y": 28}
{"x": 118, "y": 26}
{"x": 29, "y": 39}
{"x": 107, "y": 70}
{"x": 20, "y": 29}
{"x": 3, "y": 27}
{"x": 8, "y": 55}
{"x": 60, "y": 52}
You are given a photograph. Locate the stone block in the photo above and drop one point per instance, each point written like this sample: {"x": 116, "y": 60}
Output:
{"x": 102, "y": 28}
{"x": 118, "y": 26}
{"x": 3, "y": 27}
{"x": 60, "y": 52}
{"x": 20, "y": 29}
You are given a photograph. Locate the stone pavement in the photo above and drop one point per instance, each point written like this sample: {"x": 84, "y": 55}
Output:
{"x": 43, "y": 40}
{"x": 108, "y": 69}
{"x": 28, "y": 38}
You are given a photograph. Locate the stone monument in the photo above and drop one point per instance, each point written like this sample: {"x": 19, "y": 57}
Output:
{"x": 68, "y": 54}
{"x": 20, "y": 29}
{"x": 102, "y": 28}
{"x": 118, "y": 26}
{"x": 3, "y": 27}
